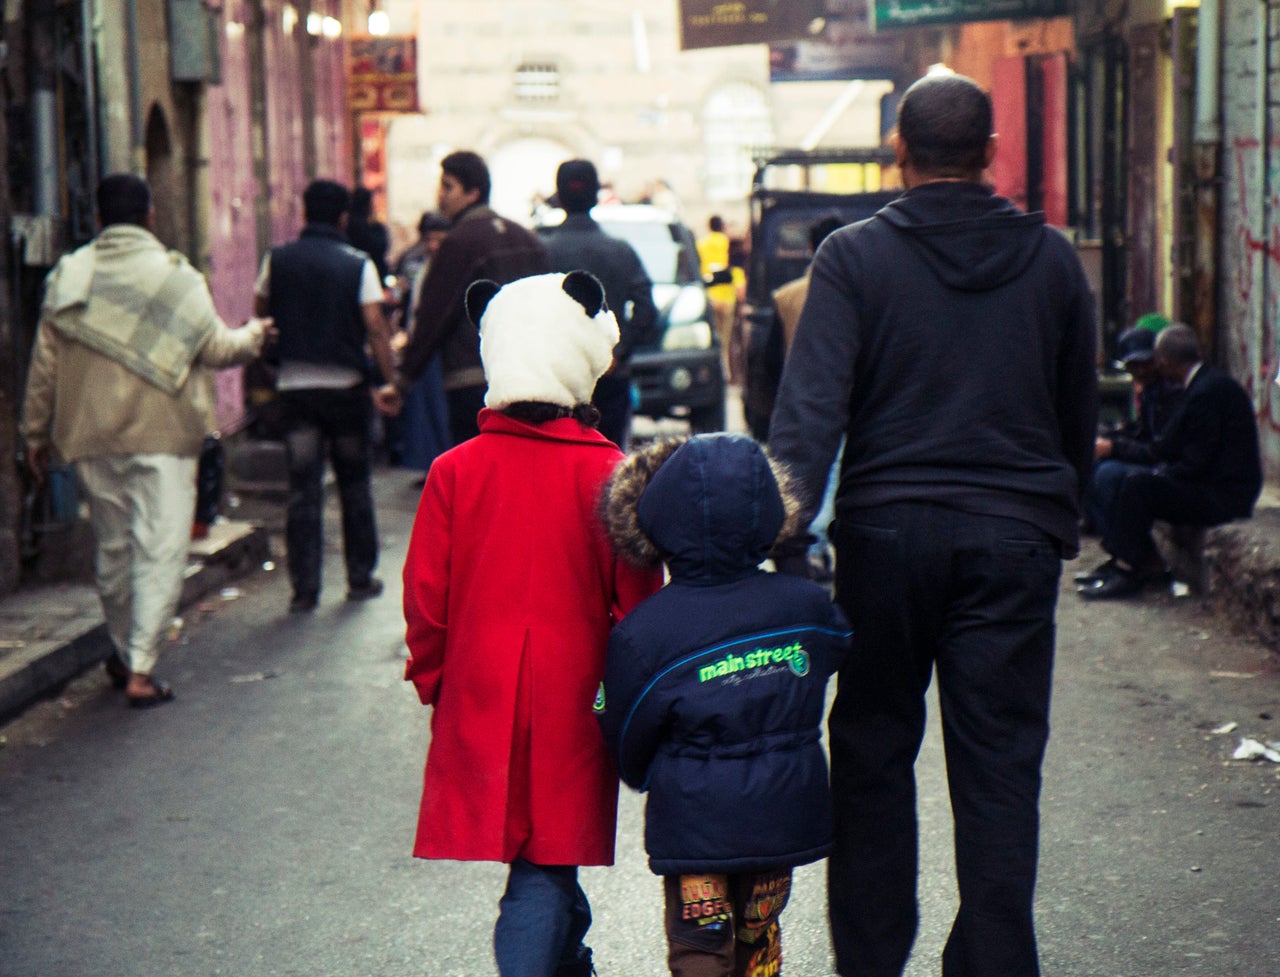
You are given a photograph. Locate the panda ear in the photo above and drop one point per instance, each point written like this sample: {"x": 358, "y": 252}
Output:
{"x": 479, "y": 295}
{"x": 585, "y": 289}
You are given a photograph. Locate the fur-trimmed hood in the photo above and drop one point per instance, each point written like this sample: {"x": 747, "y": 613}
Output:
{"x": 711, "y": 506}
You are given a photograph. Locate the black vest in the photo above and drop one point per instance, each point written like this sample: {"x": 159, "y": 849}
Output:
{"x": 315, "y": 299}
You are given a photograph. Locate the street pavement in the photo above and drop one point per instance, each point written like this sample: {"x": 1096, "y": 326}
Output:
{"x": 261, "y": 824}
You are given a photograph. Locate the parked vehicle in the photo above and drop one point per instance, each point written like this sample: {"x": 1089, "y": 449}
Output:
{"x": 790, "y": 191}
{"x": 680, "y": 374}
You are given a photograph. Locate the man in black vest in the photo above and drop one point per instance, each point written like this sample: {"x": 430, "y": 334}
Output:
{"x": 327, "y": 302}
{"x": 582, "y": 243}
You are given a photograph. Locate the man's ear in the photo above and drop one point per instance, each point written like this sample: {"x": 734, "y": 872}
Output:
{"x": 342, "y": 220}
{"x": 899, "y": 148}
{"x": 989, "y": 152}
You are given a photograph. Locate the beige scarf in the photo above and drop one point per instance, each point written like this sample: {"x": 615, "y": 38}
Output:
{"x": 127, "y": 297}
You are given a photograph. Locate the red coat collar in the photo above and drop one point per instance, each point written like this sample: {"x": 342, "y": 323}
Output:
{"x": 565, "y": 429}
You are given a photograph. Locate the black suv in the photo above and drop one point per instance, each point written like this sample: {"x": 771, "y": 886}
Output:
{"x": 790, "y": 191}
{"x": 680, "y": 375}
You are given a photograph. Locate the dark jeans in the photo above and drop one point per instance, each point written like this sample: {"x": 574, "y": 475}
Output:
{"x": 464, "y": 404}
{"x": 612, "y": 398}
{"x": 1146, "y": 496}
{"x": 1104, "y": 492}
{"x": 542, "y": 917}
{"x": 927, "y": 587}
{"x": 340, "y": 420}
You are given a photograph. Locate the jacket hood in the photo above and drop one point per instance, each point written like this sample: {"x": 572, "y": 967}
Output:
{"x": 709, "y": 506}
{"x": 973, "y": 239}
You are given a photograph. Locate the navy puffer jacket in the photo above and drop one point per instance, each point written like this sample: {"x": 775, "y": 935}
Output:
{"x": 714, "y": 690}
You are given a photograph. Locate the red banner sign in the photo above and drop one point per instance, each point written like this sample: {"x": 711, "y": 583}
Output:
{"x": 382, "y": 74}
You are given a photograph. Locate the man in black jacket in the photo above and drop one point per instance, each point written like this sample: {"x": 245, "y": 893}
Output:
{"x": 581, "y": 243}
{"x": 1158, "y": 401}
{"x": 481, "y": 244}
{"x": 1203, "y": 469}
{"x": 950, "y": 339}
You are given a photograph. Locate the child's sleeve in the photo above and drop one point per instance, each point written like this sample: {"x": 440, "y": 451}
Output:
{"x": 426, "y": 586}
{"x": 631, "y": 715}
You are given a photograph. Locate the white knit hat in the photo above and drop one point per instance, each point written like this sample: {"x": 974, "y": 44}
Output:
{"x": 545, "y": 338}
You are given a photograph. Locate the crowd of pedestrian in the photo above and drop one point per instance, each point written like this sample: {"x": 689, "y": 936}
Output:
{"x": 575, "y": 615}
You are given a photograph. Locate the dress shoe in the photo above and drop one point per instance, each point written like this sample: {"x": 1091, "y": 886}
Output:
{"x": 1100, "y": 572}
{"x": 1117, "y": 583}
{"x": 303, "y": 603}
{"x": 366, "y": 591}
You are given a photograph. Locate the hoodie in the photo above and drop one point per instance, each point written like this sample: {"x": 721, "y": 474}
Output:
{"x": 714, "y": 689}
{"x": 950, "y": 339}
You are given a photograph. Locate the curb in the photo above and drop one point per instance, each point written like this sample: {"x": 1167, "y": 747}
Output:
{"x": 38, "y": 669}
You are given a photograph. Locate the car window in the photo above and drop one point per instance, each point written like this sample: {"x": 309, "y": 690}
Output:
{"x": 661, "y": 247}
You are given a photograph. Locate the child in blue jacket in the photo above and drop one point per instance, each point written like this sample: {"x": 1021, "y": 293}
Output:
{"x": 714, "y": 696}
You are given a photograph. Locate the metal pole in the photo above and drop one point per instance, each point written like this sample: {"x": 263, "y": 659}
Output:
{"x": 137, "y": 149}
{"x": 87, "y": 29}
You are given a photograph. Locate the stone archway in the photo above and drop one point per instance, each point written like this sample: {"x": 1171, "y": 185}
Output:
{"x": 524, "y": 171}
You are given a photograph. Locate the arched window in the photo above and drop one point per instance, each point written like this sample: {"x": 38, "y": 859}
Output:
{"x": 735, "y": 124}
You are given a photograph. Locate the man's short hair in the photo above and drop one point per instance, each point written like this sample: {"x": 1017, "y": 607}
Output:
{"x": 325, "y": 201}
{"x": 123, "y": 199}
{"x": 433, "y": 220}
{"x": 470, "y": 170}
{"x": 715, "y": 224}
{"x": 822, "y": 228}
{"x": 577, "y": 185}
{"x": 1178, "y": 343}
{"x": 945, "y": 122}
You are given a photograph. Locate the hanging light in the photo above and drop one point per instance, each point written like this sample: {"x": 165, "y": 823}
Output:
{"x": 379, "y": 23}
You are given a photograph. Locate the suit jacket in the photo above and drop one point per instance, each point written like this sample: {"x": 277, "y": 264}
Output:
{"x": 1211, "y": 442}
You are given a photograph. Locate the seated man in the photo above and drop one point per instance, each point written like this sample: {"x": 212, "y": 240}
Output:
{"x": 1157, "y": 401}
{"x": 1203, "y": 468}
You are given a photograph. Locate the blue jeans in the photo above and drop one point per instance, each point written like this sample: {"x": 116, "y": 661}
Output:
{"x": 542, "y": 918}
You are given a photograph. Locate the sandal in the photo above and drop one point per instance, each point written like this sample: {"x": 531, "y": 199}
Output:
{"x": 162, "y": 694}
{"x": 117, "y": 670}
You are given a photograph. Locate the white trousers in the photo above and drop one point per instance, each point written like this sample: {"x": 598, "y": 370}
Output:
{"x": 140, "y": 508}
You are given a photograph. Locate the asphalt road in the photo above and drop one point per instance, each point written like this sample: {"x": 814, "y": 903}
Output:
{"x": 261, "y": 824}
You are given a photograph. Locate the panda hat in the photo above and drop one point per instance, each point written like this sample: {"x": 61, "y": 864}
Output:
{"x": 545, "y": 338}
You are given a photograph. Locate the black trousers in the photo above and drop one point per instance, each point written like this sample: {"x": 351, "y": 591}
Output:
{"x": 464, "y": 405}
{"x": 612, "y": 397}
{"x": 339, "y": 420}
{"x": 927, "y": 587}
{"x": 1146, "y": 496}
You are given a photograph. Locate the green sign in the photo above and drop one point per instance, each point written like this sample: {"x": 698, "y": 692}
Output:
{"x": 912, "y": 13}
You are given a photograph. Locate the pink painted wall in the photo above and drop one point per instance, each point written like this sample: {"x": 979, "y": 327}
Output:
{"x": 232, "y": 234}
{"x": 234, "y": 252}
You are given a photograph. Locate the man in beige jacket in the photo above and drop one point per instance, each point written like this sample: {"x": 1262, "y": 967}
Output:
{"x": 121, "y": 386}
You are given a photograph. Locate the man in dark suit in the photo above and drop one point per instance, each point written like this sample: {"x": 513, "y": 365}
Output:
{"x": 1203, "y": 468}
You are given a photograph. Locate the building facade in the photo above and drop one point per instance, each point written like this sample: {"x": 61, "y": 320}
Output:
{"x": 227, "y": 110}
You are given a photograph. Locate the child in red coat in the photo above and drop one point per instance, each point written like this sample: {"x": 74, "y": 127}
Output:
{"x": 510, "y": 590}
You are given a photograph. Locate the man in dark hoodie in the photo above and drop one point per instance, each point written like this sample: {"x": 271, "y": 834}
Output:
{"x": 950, "y": 339}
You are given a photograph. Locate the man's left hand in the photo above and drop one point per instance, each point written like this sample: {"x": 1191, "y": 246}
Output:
{"x": 388, "y": 400}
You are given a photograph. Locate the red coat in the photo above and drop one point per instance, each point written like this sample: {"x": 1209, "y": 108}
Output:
{"x": 510, "y": 589}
